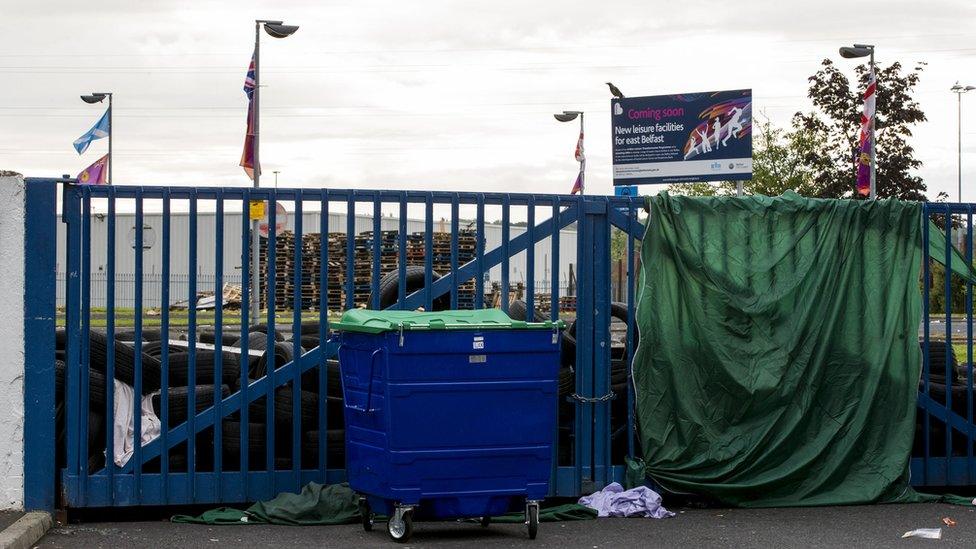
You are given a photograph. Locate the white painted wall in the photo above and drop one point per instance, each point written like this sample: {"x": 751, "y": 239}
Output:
{"x": 12, "y": 342}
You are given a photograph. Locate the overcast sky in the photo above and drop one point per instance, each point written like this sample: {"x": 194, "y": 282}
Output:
{"x": 435, "y": 94}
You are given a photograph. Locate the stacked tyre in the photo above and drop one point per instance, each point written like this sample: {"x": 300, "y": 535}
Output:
{"x": 283, "y": 414}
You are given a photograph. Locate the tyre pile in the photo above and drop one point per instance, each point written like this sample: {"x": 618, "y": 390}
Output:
{"x": 206, "y": 389}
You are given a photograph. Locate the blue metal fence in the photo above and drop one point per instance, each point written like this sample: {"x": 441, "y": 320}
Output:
{"x": 187, "y": 463}
{"x": 944, "y": 446}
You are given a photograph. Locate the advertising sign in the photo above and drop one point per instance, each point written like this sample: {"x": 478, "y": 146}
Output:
{"x": 682, "y": 138}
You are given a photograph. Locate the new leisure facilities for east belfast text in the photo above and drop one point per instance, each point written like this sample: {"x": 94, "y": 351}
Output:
{"x": 681, "y": 138}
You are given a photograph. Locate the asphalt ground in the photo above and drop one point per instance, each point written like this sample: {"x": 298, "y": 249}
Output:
{"x": 855, "y": 526}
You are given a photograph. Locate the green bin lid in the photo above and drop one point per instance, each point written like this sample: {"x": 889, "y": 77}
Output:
{"x": 375, "y": 322}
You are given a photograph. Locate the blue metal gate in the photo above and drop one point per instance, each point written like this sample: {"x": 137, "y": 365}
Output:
{"x": 945, "y": 431}
{"x": 189, "y": 462}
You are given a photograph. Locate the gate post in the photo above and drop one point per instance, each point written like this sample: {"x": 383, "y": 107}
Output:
{"x": 593, "y": 346}
{"x": 40, "y": 265}
{"x": 27, "y": 273}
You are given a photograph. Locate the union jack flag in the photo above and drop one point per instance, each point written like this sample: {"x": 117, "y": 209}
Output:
{"x": 248, "y": 162}
{"x": 249, "y": 80}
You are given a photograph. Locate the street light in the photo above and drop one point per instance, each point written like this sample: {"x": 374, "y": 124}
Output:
{"x": 854, "y": 52}
{"x": 959, "y": 89}
{"x": 569, "y": 116}
{"x": 275, "y": 29}
{"x": 98, "y": 97}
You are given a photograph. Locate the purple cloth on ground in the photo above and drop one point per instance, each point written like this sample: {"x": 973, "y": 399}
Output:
{"x": 614, "y": 501}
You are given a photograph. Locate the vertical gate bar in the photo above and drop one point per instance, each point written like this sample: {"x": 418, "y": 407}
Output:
{"x": 506, "y": 260}
{"x": 969, "y": 345}
{"x": 218, "y": 425}
{"x": 948, "y": 342}
{"x": 74, "y": 235}
{"x": 631, "y": 324}
{"x": 245, "y": 337}
{"x": 429, "y": 253}
{"x": 296, "y": 340}
{"x": 455, "y": 229}
{"x": 351, "y": 251}
{"x": 584, "y": 351}
{"x": 601, "y": 344}
{"x": 479, "y": 280}
{"x": 164, "y": 337}
{"x": 137, "y": 378}
{"x": 86, "y": 338}
{"x": 927, "y": 277}
{"x": 323, "y": 330}
{"x": 110, "y": 357}
{"x": 530, "y": 261}
{"x": 402, "y": 255}
{"x": 272, "y": 280}
{"x": 554, "y": 244}
{"x": 374, "y": 282}
{"x": 191, "y": 337}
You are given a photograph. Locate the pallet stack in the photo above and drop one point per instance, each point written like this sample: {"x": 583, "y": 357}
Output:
{"x": 441, "y": 259}
{"x": 284, "y": 270}
{"x": 311, "y": 245}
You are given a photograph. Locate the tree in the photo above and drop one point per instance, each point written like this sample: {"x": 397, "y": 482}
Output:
{"x": 778, "y": 165}
{"x": 835, "y": 122}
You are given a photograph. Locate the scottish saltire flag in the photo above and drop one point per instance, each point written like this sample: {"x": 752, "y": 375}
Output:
{"x": 98, "y": 131}
{"x": 96, "y": 173}
{"x": 864, "y": 139}
{"x": 247, "y": 157}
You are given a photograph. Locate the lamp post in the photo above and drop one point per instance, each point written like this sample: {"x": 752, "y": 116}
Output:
{"x": 569, "y": 116}
{"x": 959, "y": 89}
{"x": 853, "y": 52}
{"x": 275, "y": 29}
{"x": 98, "y": 97}
{"x": 276, "y": 172}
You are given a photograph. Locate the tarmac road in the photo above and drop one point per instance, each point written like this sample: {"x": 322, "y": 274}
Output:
{"x": 858, "y": 526}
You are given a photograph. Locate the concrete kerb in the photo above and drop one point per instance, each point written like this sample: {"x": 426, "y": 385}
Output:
{"x": 24, "y": 533}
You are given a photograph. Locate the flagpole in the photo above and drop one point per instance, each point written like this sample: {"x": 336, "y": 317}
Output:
{"x": 111, "y": 130}
{"x": 582, "y": 162}
{"x": 255, "y": 237}
{"x": 874, "y": 193}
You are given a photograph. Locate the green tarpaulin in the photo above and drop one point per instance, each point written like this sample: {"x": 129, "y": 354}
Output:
{"x": 338, "y": 504}
{"x": 779, "y": 357}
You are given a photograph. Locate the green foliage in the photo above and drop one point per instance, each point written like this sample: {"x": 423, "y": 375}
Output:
{"x": 834, "y": 125}
{"x": 777, "y": 166}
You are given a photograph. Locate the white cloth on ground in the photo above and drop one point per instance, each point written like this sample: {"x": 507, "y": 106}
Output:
{"x": 124, "y": 427}
{"x": 614, "y": 501}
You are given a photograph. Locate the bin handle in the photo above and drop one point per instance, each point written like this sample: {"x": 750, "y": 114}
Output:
{"x": 369, "y": 391}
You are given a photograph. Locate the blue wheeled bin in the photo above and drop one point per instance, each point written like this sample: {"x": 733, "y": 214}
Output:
{"x": 448, "y": 414}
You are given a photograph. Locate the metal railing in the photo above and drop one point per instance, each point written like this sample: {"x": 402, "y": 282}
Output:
{"x": 190, "y": 461}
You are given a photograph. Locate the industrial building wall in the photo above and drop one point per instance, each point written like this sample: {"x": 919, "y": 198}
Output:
{"x": 206, "y": 229}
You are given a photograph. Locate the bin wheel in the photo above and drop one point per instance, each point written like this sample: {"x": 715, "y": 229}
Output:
{"x": 366, "y": 514}
{"x": 485, "y": 521}
{"x": 532, "y": 518}
{"x": 400, "y": 525}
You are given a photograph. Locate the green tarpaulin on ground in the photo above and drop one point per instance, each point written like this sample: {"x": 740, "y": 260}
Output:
{"x": 319, "y": 504}
{"x": 779, "y": 358}
{"x": 316, "y": 504}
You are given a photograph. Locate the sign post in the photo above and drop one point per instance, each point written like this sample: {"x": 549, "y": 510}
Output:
{"x": 682, "y": 138}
